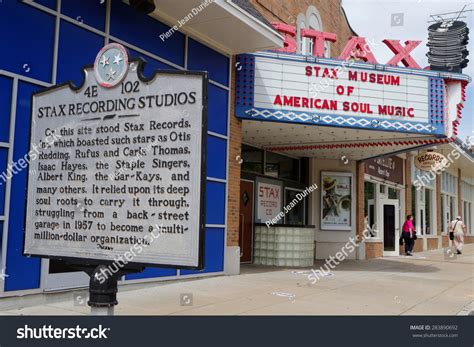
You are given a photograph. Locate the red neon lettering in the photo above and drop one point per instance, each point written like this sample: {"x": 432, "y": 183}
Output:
{"x": 357, "y": 47}
{"x": 402, "y": 54}
{"x": 318, "y": 38}
{"x": 289, "y": 45}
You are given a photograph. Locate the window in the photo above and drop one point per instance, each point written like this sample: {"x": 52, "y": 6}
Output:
{"x": 447, "y": 211}
{"x": 451, "y": 208}
{"x": 428, "y": 214}
{"x": 296, "y": 214}
{"x": 449, "y": 199}
{"x": 422, "y": 202}
{"x": 466, "y": 214}
{"x": 258, "y": 161}
{"x": 277, "y": 165}
{"x": 467, "y": 194}
{"x": 370, "y": 212}
{"x": 252, "y": 159}
{"x": 312, "y": 20}
{"x": 392, "y": 193}
{"x": 302, "y": 40}
{"x": 443, "y": 217}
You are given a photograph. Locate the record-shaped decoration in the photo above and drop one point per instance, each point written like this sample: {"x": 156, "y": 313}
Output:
{"x": 447, "y": 43}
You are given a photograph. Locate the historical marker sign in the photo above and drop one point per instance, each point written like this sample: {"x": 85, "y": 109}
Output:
{"x": 118, "y": 166}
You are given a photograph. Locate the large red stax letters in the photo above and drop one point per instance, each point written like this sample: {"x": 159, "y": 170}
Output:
{"x": 289, "y": 31}
{"x": 356, "y": 47}
{"x": 402, "y": 54}
{"x": 318, "y": 38}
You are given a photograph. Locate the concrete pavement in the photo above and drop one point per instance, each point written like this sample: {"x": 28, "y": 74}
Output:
{"x": 426, "y": 284}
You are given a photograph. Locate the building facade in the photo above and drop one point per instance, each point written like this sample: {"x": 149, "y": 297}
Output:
{"x": 287, "y": 146}
{"x": 332, "y": 175}
{"x": 50, "y": 41}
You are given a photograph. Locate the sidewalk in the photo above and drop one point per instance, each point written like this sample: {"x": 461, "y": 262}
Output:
{"x": 425, "y": 284}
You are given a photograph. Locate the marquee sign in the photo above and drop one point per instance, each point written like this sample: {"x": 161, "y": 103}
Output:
{"x": 290, "y": 88}
{"x": 117, "y": 166}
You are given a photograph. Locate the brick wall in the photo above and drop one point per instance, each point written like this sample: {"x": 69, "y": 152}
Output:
{"x": 373, "y": 250}
{"x": 467, "y": 239}
{"x": 331, "y": 14}
{"x": 233, "y": 199}
{"x": 445, "y": 242}
{"x": 418, "y": 247}
{"x": 280, "y": 11}
{"x": 432, "y": 244}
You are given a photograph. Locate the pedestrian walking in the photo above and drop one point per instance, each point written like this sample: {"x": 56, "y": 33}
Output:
{"x": 408, "y": 233}
{"x": 457, "y": 229}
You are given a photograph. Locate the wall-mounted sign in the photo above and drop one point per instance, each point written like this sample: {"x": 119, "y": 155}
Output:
{"x": 336, "y": 201}
{"x": 118, "y": 168}
{"x": 430, "y": 161}
{"x": 289, "y": 89}
{"x": 386, "y": 168}
{"x": 269, "y": 197}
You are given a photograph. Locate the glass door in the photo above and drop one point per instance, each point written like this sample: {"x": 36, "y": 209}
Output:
{"x": 390, "y": 215}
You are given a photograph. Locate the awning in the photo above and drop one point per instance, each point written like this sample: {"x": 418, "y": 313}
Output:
{"x": 331, "y": 142}
{"x": 219, "y": 23}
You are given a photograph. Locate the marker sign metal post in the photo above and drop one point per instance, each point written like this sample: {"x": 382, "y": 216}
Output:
{"x": 117, "y": 167}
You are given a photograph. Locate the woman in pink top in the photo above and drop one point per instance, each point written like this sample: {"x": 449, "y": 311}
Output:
{"x": 407, "y": 234}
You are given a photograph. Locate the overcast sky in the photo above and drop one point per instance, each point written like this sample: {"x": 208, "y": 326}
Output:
{"x": 373, "y": 19}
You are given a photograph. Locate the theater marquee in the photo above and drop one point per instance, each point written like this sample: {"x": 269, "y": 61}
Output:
{"x": 291, "y": 88}
{"x": 117, "y": 166}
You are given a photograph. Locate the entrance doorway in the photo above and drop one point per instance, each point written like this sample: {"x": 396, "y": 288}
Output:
{"x": 391, "y": 226}
{"x": 246, "y": 221}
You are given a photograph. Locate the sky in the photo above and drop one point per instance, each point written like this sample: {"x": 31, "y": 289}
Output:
{"x": 404, "y": 20}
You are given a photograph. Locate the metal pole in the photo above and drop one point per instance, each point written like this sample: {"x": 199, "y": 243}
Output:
{"x": 102, "y": 311}
{"x": 102, "y": 292}
{"x": 103, "y": 286}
